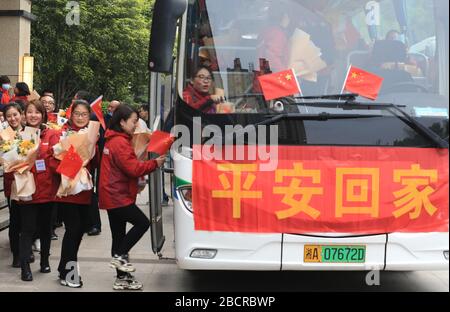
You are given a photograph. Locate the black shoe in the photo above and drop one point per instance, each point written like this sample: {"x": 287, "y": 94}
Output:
{"x": 54, "y": 236}
{"x": 31, "y": 259}
{"x": 16, "y": 262}
{"x": 45, "y": 266}
{"x": 26, "y": 274}
{"x": 94, "y": 231}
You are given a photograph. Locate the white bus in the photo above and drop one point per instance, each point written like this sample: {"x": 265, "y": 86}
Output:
{"x": 235, "y": 40}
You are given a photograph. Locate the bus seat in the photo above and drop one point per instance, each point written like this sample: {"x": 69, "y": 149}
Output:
{"x": 358, "y": 58}
{"x": 388, "y": 51}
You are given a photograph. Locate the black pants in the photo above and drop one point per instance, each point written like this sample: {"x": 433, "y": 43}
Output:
{"x": 76, "y": 221}
{"x": 122, "y": 242}
{"x": 35, "y": 218}
{"x": 14, "y": 227}
{"x": 94, "y": 213}
{"x": 56, "y": 215}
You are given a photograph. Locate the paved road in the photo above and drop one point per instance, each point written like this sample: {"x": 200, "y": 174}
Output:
{"x": 164, "y": 275}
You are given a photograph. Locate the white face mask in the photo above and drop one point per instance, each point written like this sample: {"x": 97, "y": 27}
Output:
{"x": 6, "y": 86}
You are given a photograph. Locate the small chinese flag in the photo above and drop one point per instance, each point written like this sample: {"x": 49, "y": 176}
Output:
{"x": 69, "y": 111}
{"x": 71, "y": 164}
{"x": 96, "y": 107}
{"x": 279, "y": 84}
{"x": 160, "y": 142}
{"x": 363, "y": 83}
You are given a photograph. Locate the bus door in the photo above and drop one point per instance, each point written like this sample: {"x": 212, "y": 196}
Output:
{"x": 155, "y": 178}
{"x": 164, "y": 25}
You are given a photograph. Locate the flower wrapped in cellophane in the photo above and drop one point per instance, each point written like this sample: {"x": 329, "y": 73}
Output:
{"x": 76, "y": 150}
{"x": 18, "y": 153}
{"x": 56, "y": 120}
{"x": 140, "y": 141}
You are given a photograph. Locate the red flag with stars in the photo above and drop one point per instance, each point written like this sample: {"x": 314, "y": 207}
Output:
{"x": 69, "y": 111}
{"x": 363, "y": 83}
{"x": 71, "y": 164}
{"x": 279, "y": 84}
{"x": 96, "y": 107}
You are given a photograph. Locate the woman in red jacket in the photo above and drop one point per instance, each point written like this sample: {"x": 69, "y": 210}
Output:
{"x": 196, "y": 94}
{"x": 21, "y": 92}
{"x": 119, "y": 174}
{"x": 13, "y": 114}
{"x": 74, "y": 209}
{"x": 36, "y": 213}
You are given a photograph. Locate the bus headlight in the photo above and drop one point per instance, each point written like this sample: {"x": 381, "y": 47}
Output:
{"x": 186, "y": 196}
{"x": 446, "y": 254}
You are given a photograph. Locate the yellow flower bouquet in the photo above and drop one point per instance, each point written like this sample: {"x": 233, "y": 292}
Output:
{"x": 84, "y": 143}
{"x": 18, "y": 153}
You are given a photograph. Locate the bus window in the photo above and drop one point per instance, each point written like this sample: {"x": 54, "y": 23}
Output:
{"x": 405, "y": 42}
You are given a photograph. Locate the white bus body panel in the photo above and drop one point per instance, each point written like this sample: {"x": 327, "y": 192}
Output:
{"x": 243, "y": 251}
{"x": 417, "y": 251}
{"x": 235, "y": 251}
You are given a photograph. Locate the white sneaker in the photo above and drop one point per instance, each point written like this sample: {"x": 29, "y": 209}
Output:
{"x": 121, "y": 263}
{"x": 127, "y": 282}
{"x": 70, "y": 284}
{"x": 37, "y": 245}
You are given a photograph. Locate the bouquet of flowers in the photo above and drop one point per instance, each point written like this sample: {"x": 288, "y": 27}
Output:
{"x": 56, "y": 120}
{"x": 140, "y": 141}
{"x": 18, "y": 152}
{"x": 75, "y": 150}
{"x": 304, "y": 56}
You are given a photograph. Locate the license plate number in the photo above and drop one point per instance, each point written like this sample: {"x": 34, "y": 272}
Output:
{"x": 334, "y": 254}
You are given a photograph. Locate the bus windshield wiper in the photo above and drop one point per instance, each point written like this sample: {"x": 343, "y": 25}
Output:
{"x": 319, "y": 117}
{"x": 395, "y": 110}
{"x": 346, "y": 97}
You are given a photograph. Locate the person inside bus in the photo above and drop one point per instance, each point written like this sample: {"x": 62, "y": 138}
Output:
{"x": 197, "y": 93}
{"x": 313, "y": 21}
{"x": 274, "y": 39}
{"x": 118, "y": 189}
{"x": 388, "y": 60}
{"x": 36, "y": 214}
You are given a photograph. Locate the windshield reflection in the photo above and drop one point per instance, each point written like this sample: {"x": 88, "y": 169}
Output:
{"x": 237, "y": 41}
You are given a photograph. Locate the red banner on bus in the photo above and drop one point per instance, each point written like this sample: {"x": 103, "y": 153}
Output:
{"x": 319, "y": 189}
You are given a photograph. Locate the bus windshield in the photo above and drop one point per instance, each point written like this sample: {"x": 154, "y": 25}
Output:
{"x": 405, "y": 42}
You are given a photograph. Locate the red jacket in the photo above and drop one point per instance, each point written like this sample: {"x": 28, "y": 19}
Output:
{"x": 47, "y": 182}
{"x": 274, "y": 48}
{"x": 197, "y": 99}
{"x": 85, "y": 197}
{"x": 119, "y": 172}
{"x": 20, "y": 97}
{"x": 4, "y": 96}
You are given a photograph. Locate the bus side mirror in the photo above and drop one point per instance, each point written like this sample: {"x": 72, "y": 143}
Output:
{"x": 164, "y": 25}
